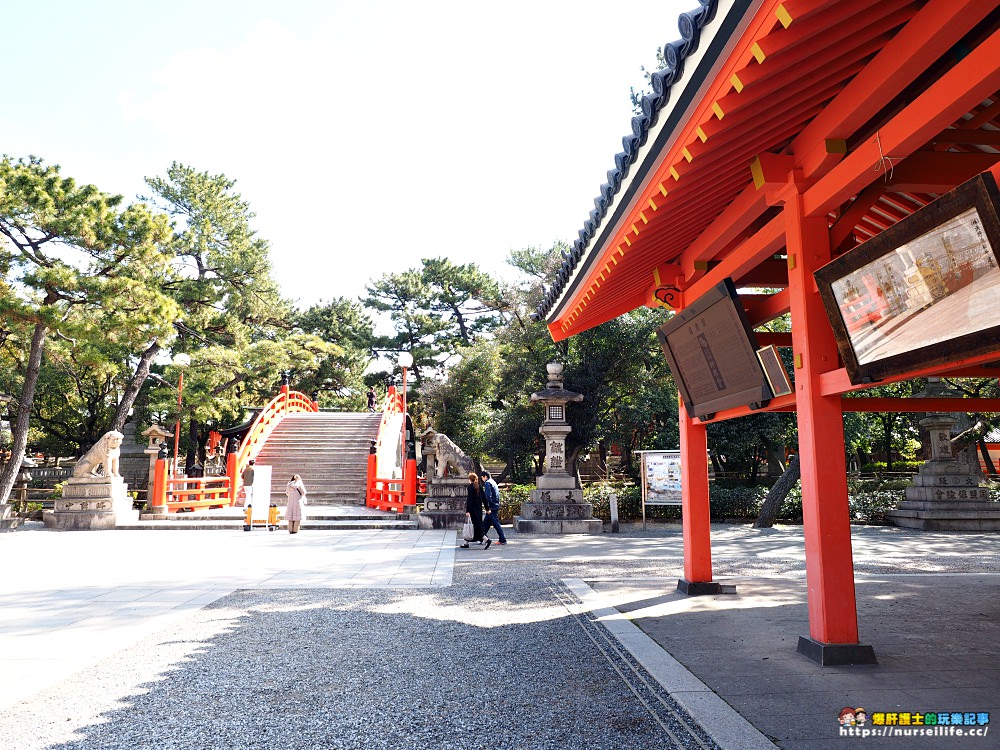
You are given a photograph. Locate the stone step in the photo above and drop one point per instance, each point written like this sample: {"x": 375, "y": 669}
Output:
{"x": 307, "y": 524}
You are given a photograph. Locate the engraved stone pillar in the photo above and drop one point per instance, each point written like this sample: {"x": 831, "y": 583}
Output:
{"x": 556, "y": 506}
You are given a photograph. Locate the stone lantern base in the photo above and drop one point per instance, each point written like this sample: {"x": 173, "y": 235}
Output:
{"x": 90, "y": 503}
{"x": 557, "y": 511}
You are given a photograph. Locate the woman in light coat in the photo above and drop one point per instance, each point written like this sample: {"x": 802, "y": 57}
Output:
{"x": 295, "y": 491}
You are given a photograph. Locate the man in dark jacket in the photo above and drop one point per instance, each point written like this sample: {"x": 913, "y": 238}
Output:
{"x": 248, "y": 482}
{"x": 492, "y": 518}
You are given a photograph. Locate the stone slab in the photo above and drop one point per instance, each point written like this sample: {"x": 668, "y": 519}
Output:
{"x": 935, "y": 494}
{"x": 557, "y": 496}
{"x": 557, "y": 511}
{"x": 441, "y": 519}
{"x": 578, "y": 526}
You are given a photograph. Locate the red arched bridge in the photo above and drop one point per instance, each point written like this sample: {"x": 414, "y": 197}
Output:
{"x": 345, "y": 458}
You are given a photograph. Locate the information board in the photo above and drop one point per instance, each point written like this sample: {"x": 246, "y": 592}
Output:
{"x": 661, "y": 477}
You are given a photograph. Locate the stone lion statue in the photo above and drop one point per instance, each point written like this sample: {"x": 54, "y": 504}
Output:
{"x": 449, "y": 456}
{"x": 105, "y": 454}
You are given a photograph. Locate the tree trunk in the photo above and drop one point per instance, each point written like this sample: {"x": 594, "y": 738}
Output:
{"x": 887, "y": 437}
{"x": 19, "y": 432}
{"x": 191, "y": 458}
{"x": 134, "y": 385}
{"x": 776, "y": 497}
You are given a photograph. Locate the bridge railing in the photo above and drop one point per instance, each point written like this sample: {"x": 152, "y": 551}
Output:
{"x": 189, "y": 493}
{"x": 286, "y": 402}
{"x": 387, "y": 492}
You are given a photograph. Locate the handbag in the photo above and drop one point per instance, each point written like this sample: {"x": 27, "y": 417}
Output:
{"x": 468, "y": 530}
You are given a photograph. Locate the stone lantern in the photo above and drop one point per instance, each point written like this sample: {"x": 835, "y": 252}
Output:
{"x": 556, "y": 505}
{"x": 154, "y": 435}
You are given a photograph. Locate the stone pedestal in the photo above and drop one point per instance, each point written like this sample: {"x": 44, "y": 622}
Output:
{"x": 557, "y": 511}
{"x": 444, "y": 507}
{"x": 92, "y": 503}
{"x": 8, "y": 519}
{"x": 946, "y": 495}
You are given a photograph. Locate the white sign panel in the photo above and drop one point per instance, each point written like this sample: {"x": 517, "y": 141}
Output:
{"x": 662, "y": 477}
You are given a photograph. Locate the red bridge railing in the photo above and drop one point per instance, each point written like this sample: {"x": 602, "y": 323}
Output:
{"x": 286, "y": 402}
{"x": 386, "y": 492}
{"x": 176, "y": 493}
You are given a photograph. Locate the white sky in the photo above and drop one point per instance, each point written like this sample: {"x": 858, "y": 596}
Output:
{"x": 365, "y": 134}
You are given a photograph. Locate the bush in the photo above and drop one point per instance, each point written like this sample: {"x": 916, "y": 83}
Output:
{"x": 629, "y": 501}
{"x": 511, "y": 497}
{"x": 735, "y": 501}
{"x": 879, "y": 467}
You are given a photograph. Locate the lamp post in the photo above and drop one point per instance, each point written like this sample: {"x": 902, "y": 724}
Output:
{"x": 180, "y": 361}
{"x": 409, "y": 473}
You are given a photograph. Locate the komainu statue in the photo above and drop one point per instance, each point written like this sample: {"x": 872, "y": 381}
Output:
{"x": 101, "y": 460}
{"x": 450, "y": 458}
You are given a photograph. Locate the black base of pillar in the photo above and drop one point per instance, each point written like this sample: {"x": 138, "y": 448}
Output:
{"x": 836, "y": 654}
{"x": 701, "y": 588}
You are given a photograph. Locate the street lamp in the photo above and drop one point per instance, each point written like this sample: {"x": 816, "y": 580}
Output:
{"x": 180, "y": 361}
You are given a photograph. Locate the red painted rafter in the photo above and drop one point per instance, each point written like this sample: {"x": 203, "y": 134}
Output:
{"x": 931, "y": 32}
{"x": 972, "y": 79}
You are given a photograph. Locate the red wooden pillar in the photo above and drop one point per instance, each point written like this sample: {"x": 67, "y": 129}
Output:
{"x": 234, "y": 478}
{"x": 695, "y": 512}
{"x": 410, "y": 482}
{"x": 158, "y": 502}
{"x": 372, "y": 468}
{"x": 833, "y": 618}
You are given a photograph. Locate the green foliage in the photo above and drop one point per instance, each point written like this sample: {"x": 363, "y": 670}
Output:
{"x": 880, "y": 467}
{"x": 77, "y": 268}
{"x": 435, "y": 310}
{"x": 735, "y": 501}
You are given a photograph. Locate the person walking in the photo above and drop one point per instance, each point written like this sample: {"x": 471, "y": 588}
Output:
{"x": 474, "y": 504}
{"x": 248, "y": 484}
{"x": 295, "y": 492}
{"x": 492, "y": 495}
{"x": 372, "y": 398}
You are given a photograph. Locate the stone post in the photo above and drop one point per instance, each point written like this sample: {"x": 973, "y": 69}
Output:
{"x": 556, "y": 505}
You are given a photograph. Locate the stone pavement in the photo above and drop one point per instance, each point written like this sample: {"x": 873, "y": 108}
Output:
{"x": 928, "y": 604}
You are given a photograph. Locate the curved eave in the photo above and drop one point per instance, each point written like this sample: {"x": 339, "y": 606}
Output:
{"x": 707, "y": 34}
{"x": 765, "y": 87}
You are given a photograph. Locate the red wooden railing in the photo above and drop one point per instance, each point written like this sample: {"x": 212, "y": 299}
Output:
{"x": 286, "y": 402}
{"x": 189, "y": 493}
{"x": 176, "y": 493}
{"x": 386, "y": 492}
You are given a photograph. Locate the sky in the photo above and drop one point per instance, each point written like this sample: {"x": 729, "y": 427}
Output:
{"x": 365, "y": 134}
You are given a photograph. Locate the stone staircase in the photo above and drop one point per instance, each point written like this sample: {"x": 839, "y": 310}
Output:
{"x": 317, "y": 518}
{"x": 328, "y": 450}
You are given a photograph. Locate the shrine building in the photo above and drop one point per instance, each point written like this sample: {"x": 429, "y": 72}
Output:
{"x": 831, "y": 159}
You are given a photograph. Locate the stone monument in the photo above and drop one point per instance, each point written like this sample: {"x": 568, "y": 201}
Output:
{"x": 447, "y": 482}
{"x": 946, "y": 495}
{"x": 96, "y": 496}
{"x": 556, "y": 505}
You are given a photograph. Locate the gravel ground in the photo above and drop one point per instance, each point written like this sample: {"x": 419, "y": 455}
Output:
{"x": 495, "y": 661}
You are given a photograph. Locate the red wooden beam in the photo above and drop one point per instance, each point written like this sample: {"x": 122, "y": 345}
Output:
{"x": 781, "y": 403}
{"x": 836, "y": 382}
{"x": 747, "y": 255}
{"x": 930, "y": 33}
{"x": 974, "y": 78}
{"x": 768, "y": 308}
{"x": 767, "y": 338}
{"x": 911, "y": 405}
